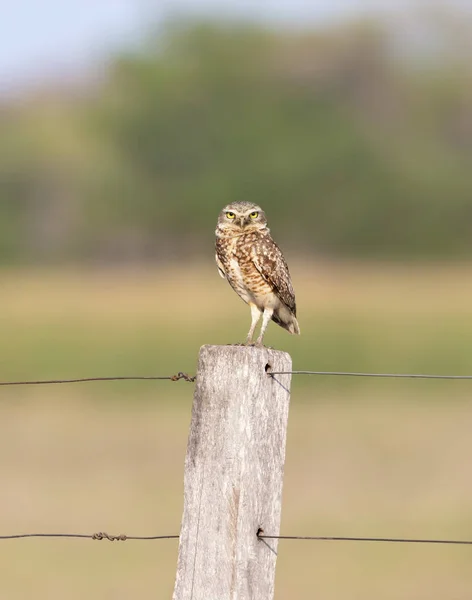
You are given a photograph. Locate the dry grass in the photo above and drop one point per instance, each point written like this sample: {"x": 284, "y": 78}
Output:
{"x": 390, "y": 467}
{"x": 323, "y": 287}
{"x": 384, "y": 458}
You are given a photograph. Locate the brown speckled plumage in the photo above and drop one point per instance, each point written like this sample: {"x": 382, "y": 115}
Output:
{"x": 254, "y": 266}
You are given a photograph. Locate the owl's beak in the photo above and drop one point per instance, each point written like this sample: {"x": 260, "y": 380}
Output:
{"x": 242, "y": 221}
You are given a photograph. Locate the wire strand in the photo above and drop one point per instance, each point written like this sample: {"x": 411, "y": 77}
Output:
{"x": 260, "y": 534}
{"x": 93, "y": 536}
{"x": 192, "y": 379}
{"x": 364, "y": 539}
{"x": 177, "y": 377}
{"x": 353, "y": 374}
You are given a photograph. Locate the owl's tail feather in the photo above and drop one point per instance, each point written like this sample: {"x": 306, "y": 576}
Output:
{"x": 295, "y": 328}
{"x": 287, "y": 320}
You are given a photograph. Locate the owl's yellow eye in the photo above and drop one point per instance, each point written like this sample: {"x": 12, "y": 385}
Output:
{"x": 254, "y": 215}
{"x": 230, "y": 215}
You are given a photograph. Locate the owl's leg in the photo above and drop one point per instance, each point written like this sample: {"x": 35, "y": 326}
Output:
{"x": 255, "y": 316}
{"x": 267, "y": 316}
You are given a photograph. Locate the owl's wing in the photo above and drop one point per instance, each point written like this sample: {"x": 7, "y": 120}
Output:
{"x": 219, "y": 264}
{"x": 270, "y": 262}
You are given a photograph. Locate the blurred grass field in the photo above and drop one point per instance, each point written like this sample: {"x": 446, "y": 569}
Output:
{"x": 364, "y": 457}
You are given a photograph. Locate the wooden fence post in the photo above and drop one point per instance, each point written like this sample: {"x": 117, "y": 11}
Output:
{"x": 233, "y": 475}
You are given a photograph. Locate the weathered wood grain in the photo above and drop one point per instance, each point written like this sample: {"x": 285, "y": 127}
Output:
{"x": 233, "y": 475}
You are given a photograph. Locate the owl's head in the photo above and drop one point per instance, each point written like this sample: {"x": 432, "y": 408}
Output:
{"x": 240, "y": 217}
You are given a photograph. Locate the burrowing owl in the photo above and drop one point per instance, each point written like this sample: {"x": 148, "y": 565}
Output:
{"x": 254, "y": 266}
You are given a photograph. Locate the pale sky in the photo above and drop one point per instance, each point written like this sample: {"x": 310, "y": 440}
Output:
{"x": 41, "y": 38}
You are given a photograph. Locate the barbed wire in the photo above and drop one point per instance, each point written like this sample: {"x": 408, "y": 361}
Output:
{"x": 101, "y": 535}
{"x": 191, "y": 378}
{"x": 326, "y": 538}
{"x": 177, "y": 377}
{"x": 354, "y": 374}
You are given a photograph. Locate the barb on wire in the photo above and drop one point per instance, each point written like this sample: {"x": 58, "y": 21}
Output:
{"x": 352, "y": 374}
{"x": 101, "y": 535}
{"x": 183, "y": 376}
{"x": 179, "y": 375}
{"x": 324, "y": 538}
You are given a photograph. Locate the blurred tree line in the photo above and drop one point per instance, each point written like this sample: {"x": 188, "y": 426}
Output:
{"x": 354, "y": 146}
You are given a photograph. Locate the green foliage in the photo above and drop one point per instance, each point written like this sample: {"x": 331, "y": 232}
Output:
{"x": 354, "y": 152}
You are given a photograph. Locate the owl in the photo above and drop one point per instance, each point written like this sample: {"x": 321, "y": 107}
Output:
{"x": 248, "y": 257}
